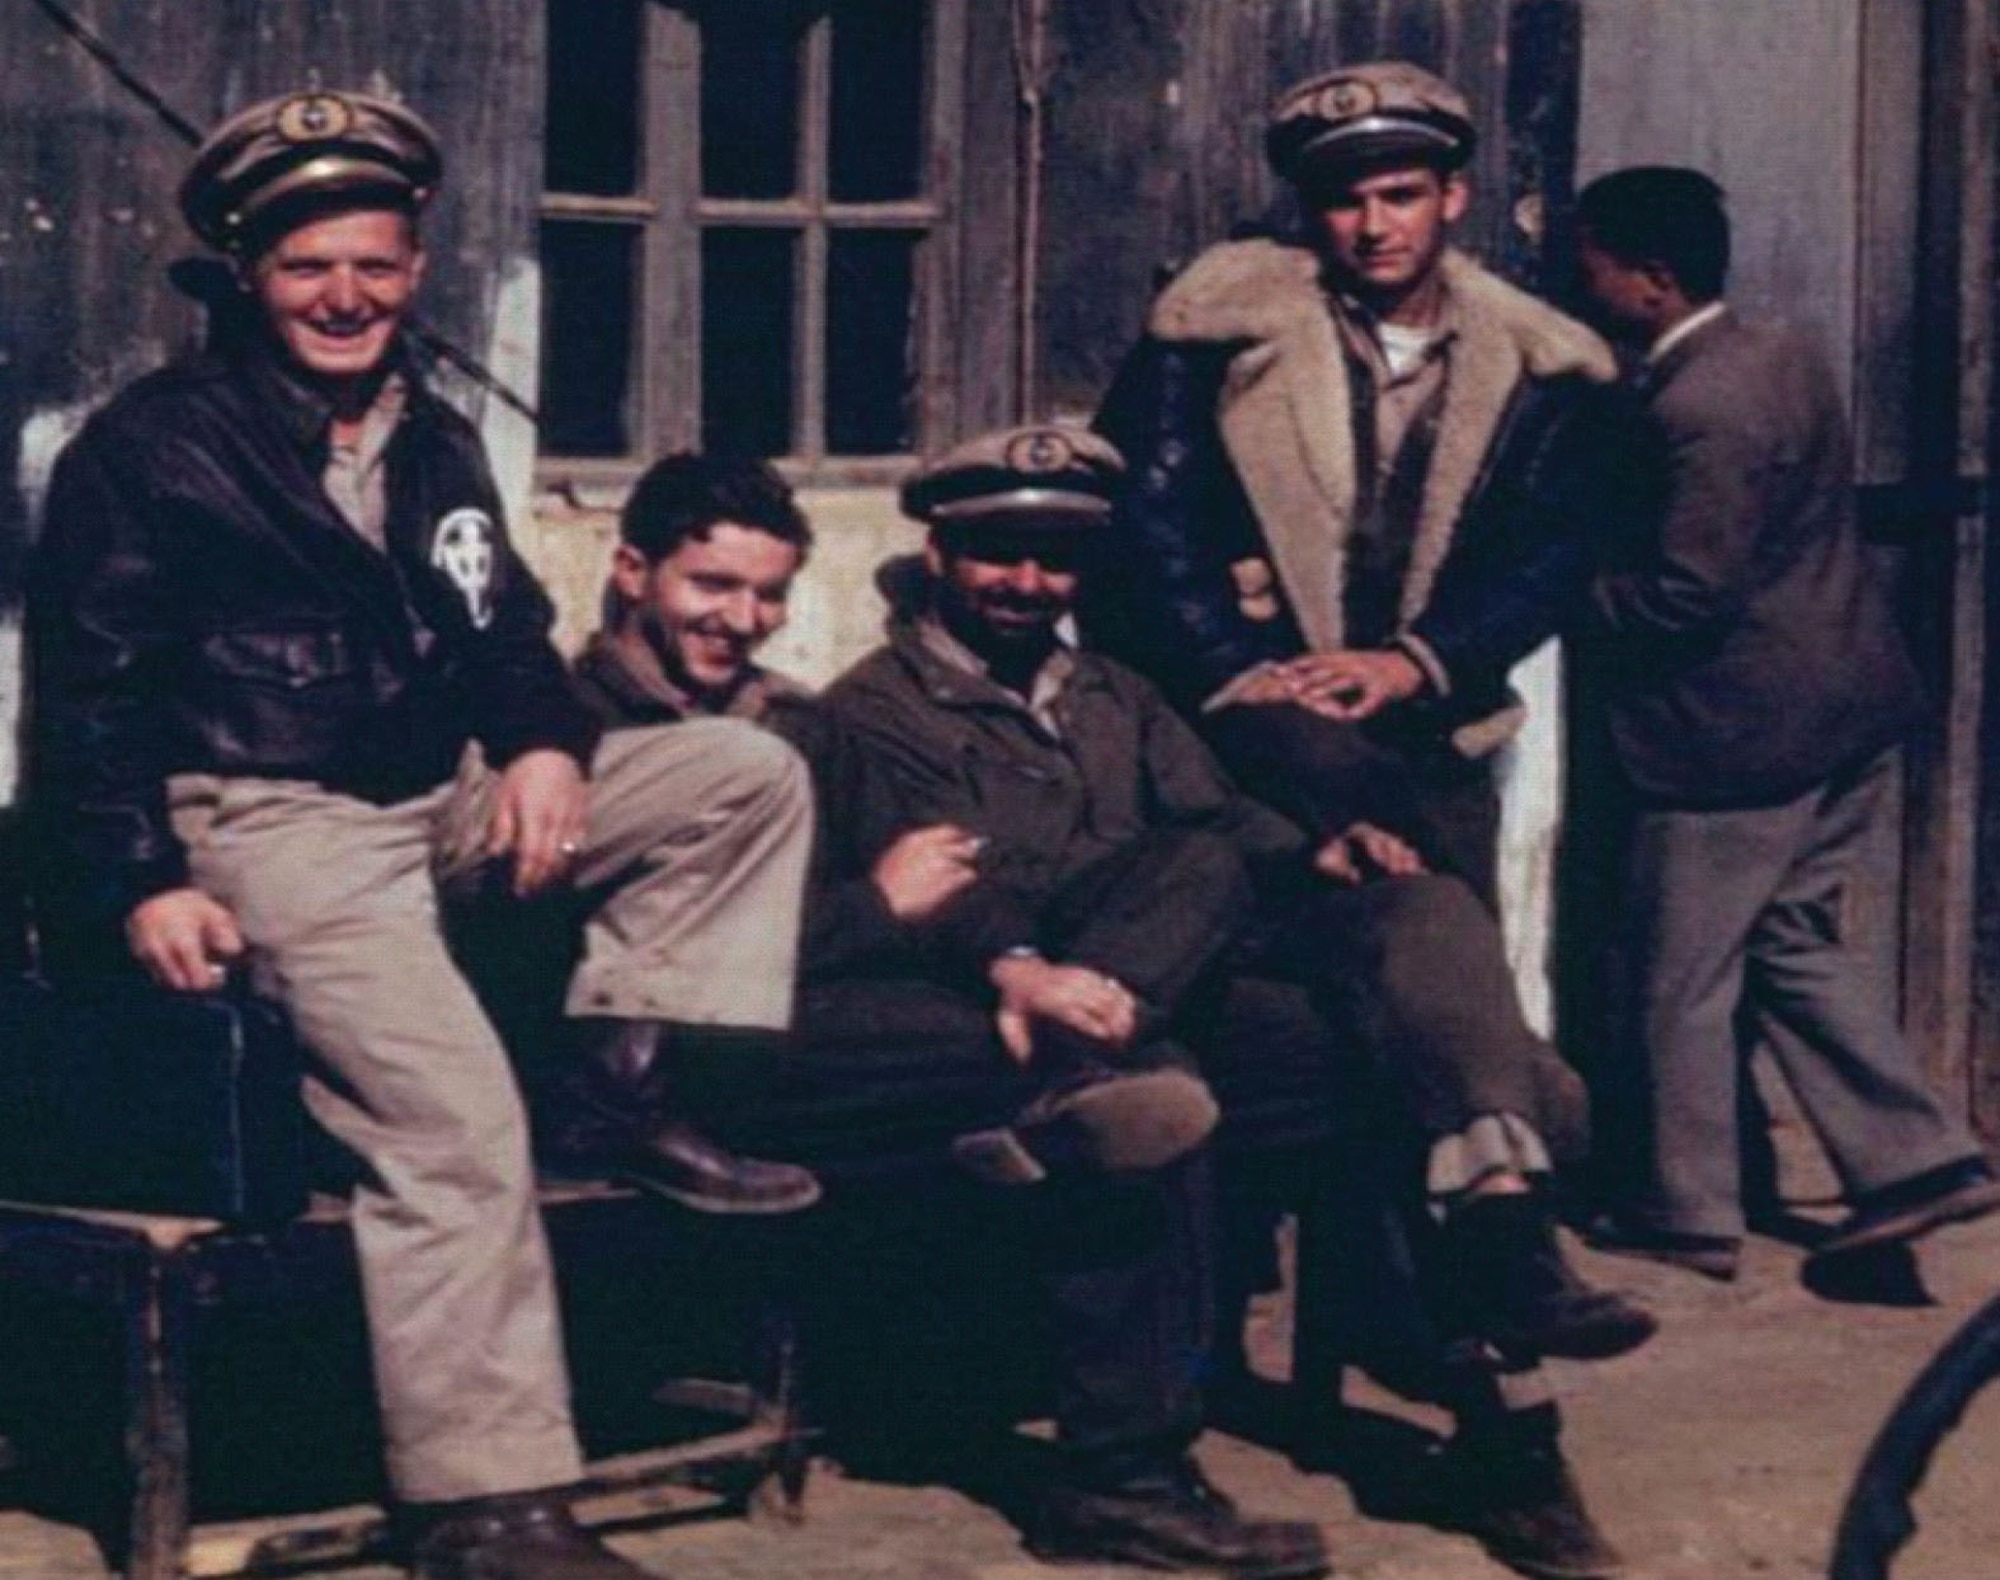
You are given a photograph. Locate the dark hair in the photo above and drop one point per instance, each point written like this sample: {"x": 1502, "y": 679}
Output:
{"x": 1664, "y": 215}
{"x": 684, "y": 495}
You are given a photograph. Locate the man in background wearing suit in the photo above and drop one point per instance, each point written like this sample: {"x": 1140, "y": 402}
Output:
{"x": 1755, "y": 692}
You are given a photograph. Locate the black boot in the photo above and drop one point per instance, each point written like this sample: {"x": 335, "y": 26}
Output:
{"x": 613, "y": 1114}
{"x": 1507, "y": 1485}
{"x": 1517, "y": 1291}
{"x": 1096, "y": 1119}
{"x": 1172, "y": 1518}
{"x": 517, "y": 1536}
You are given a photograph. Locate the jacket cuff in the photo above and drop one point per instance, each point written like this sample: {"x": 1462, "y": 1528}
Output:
{"x": 576, "y": 736}
{"x": 983, "y": 927}
{"x": 1425, "y": 657}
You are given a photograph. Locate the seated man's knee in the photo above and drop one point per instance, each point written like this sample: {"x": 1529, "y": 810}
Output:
{"x": 1430, "y": 924}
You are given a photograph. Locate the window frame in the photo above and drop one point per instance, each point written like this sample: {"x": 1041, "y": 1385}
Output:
{"x": 671, "y": 215}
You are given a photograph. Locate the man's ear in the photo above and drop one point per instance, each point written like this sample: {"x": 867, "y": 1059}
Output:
{"x": 630, "y": 571}
{"x": 1659, "y": 277}
{"x": 1457, "y": 197}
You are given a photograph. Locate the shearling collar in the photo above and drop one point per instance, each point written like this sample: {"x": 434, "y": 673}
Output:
{"x": 1262, "y": 290}
{"x": 1286, "y": 414}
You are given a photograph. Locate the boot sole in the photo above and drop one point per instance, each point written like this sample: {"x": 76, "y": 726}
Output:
{"x": 1143, "y": 1556}
{"x": 1959, "y": 1206}
{"x": 721, "y": 1206}
{"x": 1616, "y": 1333}
{"x": 1128, "y": 1124}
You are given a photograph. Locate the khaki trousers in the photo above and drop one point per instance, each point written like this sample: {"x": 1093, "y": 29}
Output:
{"x": 698, "y": 839}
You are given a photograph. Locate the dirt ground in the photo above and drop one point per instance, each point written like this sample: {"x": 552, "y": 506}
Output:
{"x": 1719, "y": 1452}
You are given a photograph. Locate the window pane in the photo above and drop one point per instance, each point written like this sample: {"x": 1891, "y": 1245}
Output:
{"x": 746, "y": 340}
{"x": 871, "y": 343}
{"x": 593, "y": 97}
{"x": 878, "y": 99}
{"x": 588, "y": 282}
{"x": 750, "y": 64}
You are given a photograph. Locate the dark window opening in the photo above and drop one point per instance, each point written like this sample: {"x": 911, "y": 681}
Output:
{"x": 871, "y": 343}
{"x": 746, "y": 341}
{"x": 594, "y": 102}
{"x": 589, "y": 298}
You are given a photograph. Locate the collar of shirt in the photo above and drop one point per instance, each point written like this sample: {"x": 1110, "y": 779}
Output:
{"x": 353, "y": 475}
{"x": 624, "y": 663}
{"x": 1049, "y": 684}
{"x": 1362, "y": 331}
{"x": 1686, "y": 327}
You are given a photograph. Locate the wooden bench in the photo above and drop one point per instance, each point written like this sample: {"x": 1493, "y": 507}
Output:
{"x": 161, "y": 1278}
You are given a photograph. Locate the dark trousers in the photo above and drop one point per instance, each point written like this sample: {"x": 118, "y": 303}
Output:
{"x": 1156, "y": 914}
{"x": 885, "y": 1072}
{"x": 1326, "y": 775}
{"x": 1413, "y": 971}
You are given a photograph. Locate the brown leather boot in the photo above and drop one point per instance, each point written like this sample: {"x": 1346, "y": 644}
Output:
{"x": 515, "y": 1536}
{"x": 613, "y": 1114}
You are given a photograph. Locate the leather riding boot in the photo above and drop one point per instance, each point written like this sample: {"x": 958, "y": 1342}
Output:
{"x": 516, "y": 1536}
{"x": 627, "y": 1127}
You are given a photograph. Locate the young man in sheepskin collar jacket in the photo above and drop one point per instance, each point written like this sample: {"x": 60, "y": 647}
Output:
{"x": 1362, "y": 476}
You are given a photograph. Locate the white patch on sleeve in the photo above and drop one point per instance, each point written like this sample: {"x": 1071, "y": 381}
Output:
{"x": 464, "y": 547}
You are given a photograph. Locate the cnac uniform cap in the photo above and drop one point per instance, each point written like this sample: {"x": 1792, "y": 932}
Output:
{"x": 1039, "y": 475}
{"x": 283, "y": 152}
{"x": 1381, "y": 110}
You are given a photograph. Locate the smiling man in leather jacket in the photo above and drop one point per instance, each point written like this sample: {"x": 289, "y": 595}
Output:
{"x": 272, "y": 607}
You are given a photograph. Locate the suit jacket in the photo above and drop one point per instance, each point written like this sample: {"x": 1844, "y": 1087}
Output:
{"x": 1744, "y": 642}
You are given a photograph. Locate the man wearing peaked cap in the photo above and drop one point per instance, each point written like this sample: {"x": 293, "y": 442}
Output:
{"x": 306, "y": 150}
{"x": 1364, "y": 472}
{"x": 294, "y": 688}
{"x": 1088, "y": 866}
{"x": 1054, "y": 476}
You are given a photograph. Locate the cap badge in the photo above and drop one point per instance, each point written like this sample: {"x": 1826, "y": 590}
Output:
{"x": 1044, "y": 450}
{"x": 314, "y": 117}
{"x": 1344, "y": 100}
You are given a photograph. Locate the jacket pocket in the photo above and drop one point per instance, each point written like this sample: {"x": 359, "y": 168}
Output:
{"x": 284, "y": 660}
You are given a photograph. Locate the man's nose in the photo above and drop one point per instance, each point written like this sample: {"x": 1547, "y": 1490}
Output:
{"x": 1028, "y": 575}
{"x": 739, "y": 613}
{"x": 343, "y": 291}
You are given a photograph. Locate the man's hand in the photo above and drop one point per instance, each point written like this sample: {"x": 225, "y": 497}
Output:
{"x": 1362, "y": 851}
{"x": 539, "y": 813}
{"x": 184, "y": 939}
{"x": 1354, "y": 683}
{"x": 923, "y": 869}
{"x": 1084, "y": 1001}
{"x": 1263, "y": 687}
